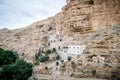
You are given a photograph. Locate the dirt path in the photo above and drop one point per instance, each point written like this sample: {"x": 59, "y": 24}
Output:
{"x": 49, "y": 77}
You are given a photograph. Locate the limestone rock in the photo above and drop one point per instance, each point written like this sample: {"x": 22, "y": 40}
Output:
{"x": 94, "y": 23}
{"x": 27, "y": 40}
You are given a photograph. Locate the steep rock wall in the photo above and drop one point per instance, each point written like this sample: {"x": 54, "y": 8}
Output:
{"x": 87, "y": 15}
{"x": 78, "y": 19}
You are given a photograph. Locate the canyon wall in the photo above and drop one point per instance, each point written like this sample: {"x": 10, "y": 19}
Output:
{"x": 78, "y": 19}
{"x": 88, "y": 15}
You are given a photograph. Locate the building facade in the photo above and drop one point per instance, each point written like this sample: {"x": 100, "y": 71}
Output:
{"x": 76, "y": 49}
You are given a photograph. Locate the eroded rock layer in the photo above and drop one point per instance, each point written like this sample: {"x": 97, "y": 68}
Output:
{"x": 94, "y": 23}
{"x": 87, "y": 15}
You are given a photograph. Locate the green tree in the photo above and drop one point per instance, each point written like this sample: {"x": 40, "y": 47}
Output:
{"x": 1, "y": 50}
{"x": 7, "y": 57}
{"x": 21, "y": 70}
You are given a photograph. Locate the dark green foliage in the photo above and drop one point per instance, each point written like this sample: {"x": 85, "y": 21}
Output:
{"x": 21, "y": 70}
{"x": 48, "y": 52}
{"x": 57, "y": 57}
{"x": 1, "y": 50}
{"x": 36, "y": 62}
{"x": 62, "y": 61}
{"x": 69, "y": 58}
{"x": 16, "y": 54}
{"x": 93, "y": 72}
{"x": 54, "y": 50}
{"x": 44, "y": 58}
{"x": 115, "y": 76}
{"x": 12, "y": 69}
{"x": 38, "y": 54}
{"x": 7, "y": 57}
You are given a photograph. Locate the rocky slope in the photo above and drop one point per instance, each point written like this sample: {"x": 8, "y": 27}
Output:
{"x": 86, "y": 15}
{"x": 78, "y": 19}
{"x": 94, "y": 23}
{"x": 29, "y": 39}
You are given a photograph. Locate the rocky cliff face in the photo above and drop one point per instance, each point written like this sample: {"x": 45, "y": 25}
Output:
{"x": 86, "y": 15}
{"x": 94, "y": 23}
{"x": 79, "y": 19}
{"x": 27, "y": 40}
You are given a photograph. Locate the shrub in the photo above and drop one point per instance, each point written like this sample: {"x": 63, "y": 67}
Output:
{"x": 21, "y": 70}
{"x": 16, "y": 54}
{"x": 7, "y": 57}
{"x": 48, "y": 52}
{"x": 36, "y": 62}
{"x": 93, "y": 72}
{"x": 69, "y": 59}
{"x": 62, "y": 61}
{"x": 44, "y": 58}
{"x": 115, "y": 76}
{"x": 53, "y": 50}
{"x": 1, "y": 50}
{"x": 57, "y": 57}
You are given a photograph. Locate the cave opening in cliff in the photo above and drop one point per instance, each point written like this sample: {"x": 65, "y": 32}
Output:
{"x": 91, "y": 2}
